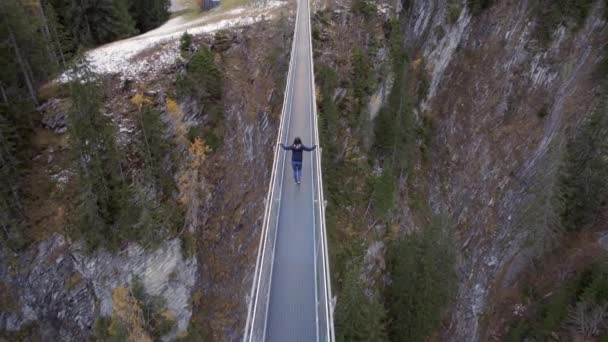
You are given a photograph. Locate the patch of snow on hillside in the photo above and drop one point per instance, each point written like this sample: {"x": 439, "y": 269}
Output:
{"x": 138, "y": 56}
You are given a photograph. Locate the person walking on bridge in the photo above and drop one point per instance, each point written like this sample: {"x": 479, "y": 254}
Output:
{"x": 297, "y": 149}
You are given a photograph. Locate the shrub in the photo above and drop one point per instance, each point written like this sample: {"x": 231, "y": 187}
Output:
{"x": 439, "y": 32}
{"x": 454, "y": 10}
{"x": 27, "y": 332}
{"x": 316, "y": 34}
{"x": 477, "y": 6}
{"x": 588, "y": 319}
{"x": 383, "y": 195}
{"x": 185, "y": 42}
{"x": 425, "y": 132}
{"x": 579, "y": 302}
{"x": 518, "y": 332}
{"x": 188, "y": 245}
{"x": 553, "y": 13}
{"x": 53, "y": 90}
{"x": 157, "y": 320}
{"x": 364, "y": 82}
{"x": 110, "y": 330}
{"x": 364, "y": 7}
{"x": 195, "y": 132}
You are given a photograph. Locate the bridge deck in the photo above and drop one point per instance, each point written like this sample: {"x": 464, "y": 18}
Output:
{"x": 292, "y": 312}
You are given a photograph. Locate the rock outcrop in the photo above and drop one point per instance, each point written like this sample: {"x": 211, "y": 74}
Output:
{"x": 62, "y": 290}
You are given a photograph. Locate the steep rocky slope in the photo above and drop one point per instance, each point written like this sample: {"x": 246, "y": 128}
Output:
{"x": 496, "y": 94}
{"x": 501, "y": 100}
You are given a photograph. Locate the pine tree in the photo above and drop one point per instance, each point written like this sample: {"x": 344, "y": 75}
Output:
{"x": 73, "y": 22}
{"x": 185, "y": 42}
{"x": 14, "y": 151}
{"x": 203, "y": 82}
{"x": 23, "y": 50}
{"x": 149, "y": 14}
{"x": 26, "y": 59}
{"x": 110, "y": 20}
{"x": 156, "y": 186}
{"x": 359, "y": 317}
{"x": 203, "y": 79}
{"x": 155, "y": 149}
{"x": 422, "y": 272}
{"x": 62, "y": 41}
{"x": 106, "y": 210}
{"x": 92, "y": 22}
{"x": 584, "y": 179}
{"x": 394, "y": 126}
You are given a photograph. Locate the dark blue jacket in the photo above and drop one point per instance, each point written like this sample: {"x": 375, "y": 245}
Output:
{"x": 296, "y": 151}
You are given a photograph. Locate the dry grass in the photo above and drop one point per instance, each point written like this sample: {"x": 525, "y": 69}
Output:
{"x": 127, "y": 311}
{"x": 7, "y": 298}
{"x": 73, "y": 281}
{"x": 47, "y": 201}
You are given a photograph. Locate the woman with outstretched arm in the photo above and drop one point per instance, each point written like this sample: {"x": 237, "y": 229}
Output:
{"x": 297, "y": 149}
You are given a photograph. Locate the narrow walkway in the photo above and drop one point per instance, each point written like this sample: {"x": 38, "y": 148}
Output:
{"x": 292, "y": 311}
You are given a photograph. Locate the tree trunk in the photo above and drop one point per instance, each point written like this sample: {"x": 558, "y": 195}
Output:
{"x": 3, "y": 93}
{"x": 89, "y": 32}
{"x": 47, "y": 34}
{"x": 57, "y": 41}
{"x": 23, "y": 65}
{"x": 12, "y": 166}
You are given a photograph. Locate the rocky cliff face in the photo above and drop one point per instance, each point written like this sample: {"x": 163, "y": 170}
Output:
{"x": 501, "y": 99}
{"x": 56, "y": 287}
{"x": 497, "y": 93}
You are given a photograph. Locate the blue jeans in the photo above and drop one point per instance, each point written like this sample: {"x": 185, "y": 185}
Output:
{"x": 297, "y": 170}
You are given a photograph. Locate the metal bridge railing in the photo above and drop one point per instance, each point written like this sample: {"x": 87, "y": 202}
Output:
{"x": 324, "y": 297}
{"x": 259, "y": 299}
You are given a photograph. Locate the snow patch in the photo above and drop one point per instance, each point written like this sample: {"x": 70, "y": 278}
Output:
{"x": 62, "y": 178}
{"x": 158, "y": 49}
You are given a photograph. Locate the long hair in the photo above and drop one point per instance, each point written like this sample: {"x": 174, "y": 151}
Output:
{"x": 297, "y": 142}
